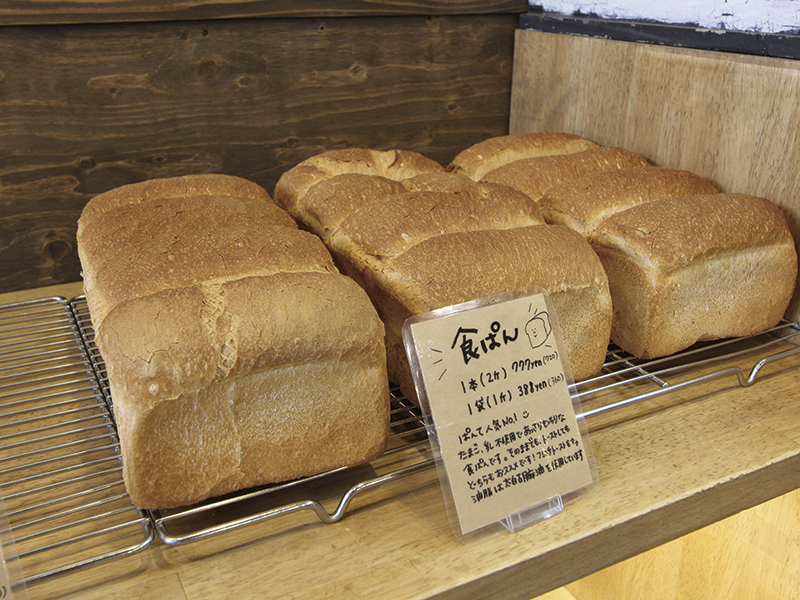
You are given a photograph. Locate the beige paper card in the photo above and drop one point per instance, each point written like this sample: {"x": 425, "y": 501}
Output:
{"x": 491, "y": 379}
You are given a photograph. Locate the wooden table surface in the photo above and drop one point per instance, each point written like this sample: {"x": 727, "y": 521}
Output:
{"x": 666, "y": 468}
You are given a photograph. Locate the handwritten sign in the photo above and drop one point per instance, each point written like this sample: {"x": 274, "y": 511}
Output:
{"x": 492, "y": 381}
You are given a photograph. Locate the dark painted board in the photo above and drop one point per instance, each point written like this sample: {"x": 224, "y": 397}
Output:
{"x": 37, "y": 12}
{"x": 87, "y": 108}
{"x": 777, "y": 45}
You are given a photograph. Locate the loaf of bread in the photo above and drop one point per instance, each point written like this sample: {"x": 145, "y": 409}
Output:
{"x": 490, "y": 154}
{"x": 448, "y": 239}
{"x": 392, "y": 165}
{"x": 583, "y": 203}
{"x": 237, "y": 354}
{"x": 535, "y": 176}
{"x": 688, "y": 269}
{"x": 453, "y": 268}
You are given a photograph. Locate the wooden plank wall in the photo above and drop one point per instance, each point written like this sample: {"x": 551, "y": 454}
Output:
{"x": 94, "y": 95}
{"x": 27, "y": 12}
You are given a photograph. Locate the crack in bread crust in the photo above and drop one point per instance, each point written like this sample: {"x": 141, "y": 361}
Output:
{"x": 219, "y": 326}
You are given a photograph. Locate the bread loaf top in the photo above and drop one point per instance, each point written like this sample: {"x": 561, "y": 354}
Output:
{"x": 180, "y": 340}
{"x": 332, "y": 200}
{"x": 150, "y": 237}
{"x": 137, "y": 244}
{"x": 555, "y": 257}
{"x": 438, "y": 182}
{"x": 535, "y": 176}
{"x": 396, "y": 165}
{"x": 212, "y": 184}
{"x": 584, "y": 202}
{"x": 174, "y": 261}
{"x": 481, "y": 158}
{"x": 388, "y": 227}
{"x": 114, "y": 227}
{"x": 670, "y": 233}
{"x": 356, "y": 213}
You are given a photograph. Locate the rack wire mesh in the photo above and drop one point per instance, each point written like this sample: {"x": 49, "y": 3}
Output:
{"x": 60, "y": 469}
{"x": 628, "y": 382}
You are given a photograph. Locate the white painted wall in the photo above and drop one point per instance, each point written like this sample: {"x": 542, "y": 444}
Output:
{"x": 767, "y": 16}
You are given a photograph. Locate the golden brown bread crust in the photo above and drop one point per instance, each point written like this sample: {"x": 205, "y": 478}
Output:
{"x": 130, "y": 226}
{"x": 396, "y": 165}
{"x": 386, "y": 242}
{"x": 452, "y": 268}
{"x": 237, "y": 354}
{"x": 550, "y": 257}
{"x": 675, "y": 231}
{"x": 389, "y": 227}
{"x": 332, "y": 200}
{"x": 688, "y": 269}
{"x": 481, "y": 158}
{"x": 180, "y": 214}
{"x": 244, "y": 395}
{"x": 535, "y": 176}
{"x": 171, "y": 260}
{"x": 438, "y": 182}
{"x": 212, "y": 184}
{"x": 583, "y": 203}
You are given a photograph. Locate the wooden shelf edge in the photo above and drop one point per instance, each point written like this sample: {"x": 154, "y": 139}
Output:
{"x": 70, "y": 12}
{"x": 571, "y": 562}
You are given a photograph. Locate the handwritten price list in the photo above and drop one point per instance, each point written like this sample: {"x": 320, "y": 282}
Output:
{"x": 499, "y": 398}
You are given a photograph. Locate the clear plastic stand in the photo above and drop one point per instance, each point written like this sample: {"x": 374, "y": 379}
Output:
{"x": 500, "y": 409}
{"x": 533, "y": 515}
{"x": 11, "y": 587}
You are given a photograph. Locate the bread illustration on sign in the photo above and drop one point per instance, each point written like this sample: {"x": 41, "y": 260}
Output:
{"x": 237, "y": 354}
{"x": 433, "y": 239}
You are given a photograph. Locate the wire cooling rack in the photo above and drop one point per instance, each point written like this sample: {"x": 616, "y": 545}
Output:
{"x": 641, "y": 385}
{"x": 60, "y": 471}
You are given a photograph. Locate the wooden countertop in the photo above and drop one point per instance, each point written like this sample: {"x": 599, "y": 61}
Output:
{"x": 666, "y": 468}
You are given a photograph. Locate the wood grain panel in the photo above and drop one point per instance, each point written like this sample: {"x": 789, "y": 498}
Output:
{"x": 87, "y": 108}
{"x": 754, "y": 554}
{"x": 39, "y": 12}
{"x": 731, "y": 118}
